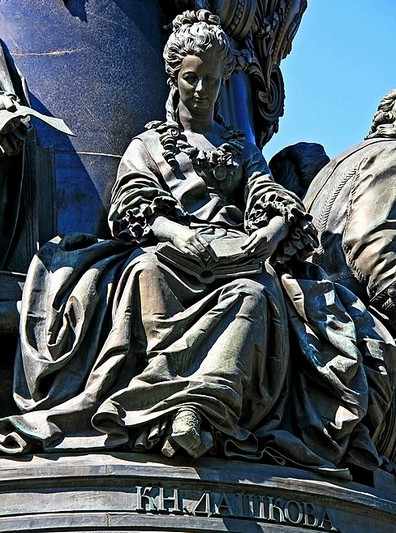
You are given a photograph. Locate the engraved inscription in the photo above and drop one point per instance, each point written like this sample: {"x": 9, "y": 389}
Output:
{"x": 264, "y": 508}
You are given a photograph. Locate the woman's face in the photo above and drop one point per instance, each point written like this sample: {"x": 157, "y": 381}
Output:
{"x": 199, "y": 82}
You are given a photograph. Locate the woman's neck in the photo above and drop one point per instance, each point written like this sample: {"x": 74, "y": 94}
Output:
{"x": 197, "y": 123}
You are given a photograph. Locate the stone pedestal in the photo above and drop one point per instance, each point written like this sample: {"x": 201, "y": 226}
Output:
{"x": 121, "y": 492}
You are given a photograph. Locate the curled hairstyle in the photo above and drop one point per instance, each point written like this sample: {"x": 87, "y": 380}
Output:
{"x": 193, "y": 34}
{"x": 384, "y": 120}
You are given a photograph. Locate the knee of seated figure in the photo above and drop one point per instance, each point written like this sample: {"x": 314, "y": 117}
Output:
{"x": 251, "y": 293}
{"x": 248, "y": 287}
{"x": 148, "y": 264}
{"x": 248, "y": 295}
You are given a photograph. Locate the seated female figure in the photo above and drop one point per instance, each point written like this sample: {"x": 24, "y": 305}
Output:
{"x": 119, "y": 348}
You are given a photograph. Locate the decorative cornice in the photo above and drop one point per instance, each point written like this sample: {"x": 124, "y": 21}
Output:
{"x": 236, "y": 16}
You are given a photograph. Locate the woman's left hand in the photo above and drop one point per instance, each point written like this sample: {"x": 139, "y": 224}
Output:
{"x": 264, "y": 241}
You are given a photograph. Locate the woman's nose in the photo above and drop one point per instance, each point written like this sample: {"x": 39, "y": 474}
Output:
{"x": 199, "y": 86}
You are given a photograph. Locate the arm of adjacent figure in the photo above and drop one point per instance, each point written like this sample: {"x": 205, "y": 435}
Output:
{"x": 13, "y": 133}
{"x": 369, "y": 239}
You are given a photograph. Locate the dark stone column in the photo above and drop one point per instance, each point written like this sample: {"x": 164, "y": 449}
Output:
{"x": 98, "y": 65}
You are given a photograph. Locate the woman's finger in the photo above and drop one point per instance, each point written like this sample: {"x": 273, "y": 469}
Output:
{"x": 247, "y": 243}
{"x": 186, "y": 250}
{"x": 251, "y": 244}
{"x": 203, "y": 241}
{"x": 199, "y": 245}
{"x": 202, "y": 248}
{"x": 192, "y": 250}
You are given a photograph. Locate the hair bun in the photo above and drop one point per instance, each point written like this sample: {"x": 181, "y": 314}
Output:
{"x": 187, "y": 18}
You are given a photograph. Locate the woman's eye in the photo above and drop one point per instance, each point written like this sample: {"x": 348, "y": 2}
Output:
{"x": 190, "y": 79}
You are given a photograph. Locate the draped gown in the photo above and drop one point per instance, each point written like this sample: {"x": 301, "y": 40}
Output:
{"x": 282, "y": 366}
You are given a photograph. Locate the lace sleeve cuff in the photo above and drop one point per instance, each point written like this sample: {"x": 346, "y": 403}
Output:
{"x": 135, "y": 226}
{"x": 302, "y": 236}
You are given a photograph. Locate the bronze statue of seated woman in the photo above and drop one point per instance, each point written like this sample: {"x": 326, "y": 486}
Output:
{"x": 122, "y": 349}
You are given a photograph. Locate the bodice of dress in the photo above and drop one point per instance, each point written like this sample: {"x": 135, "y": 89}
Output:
{"x": 229, "y": 187}
{"x": 208, "y": 185}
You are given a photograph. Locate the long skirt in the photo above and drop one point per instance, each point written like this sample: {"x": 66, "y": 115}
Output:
{"x": 286, "y": 368}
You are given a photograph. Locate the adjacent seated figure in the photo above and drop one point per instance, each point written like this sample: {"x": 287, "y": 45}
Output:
{"x": 120, "y": 350}
{"x": 12, "y": 135}
{"x": 353, "y": 203}
{"x": 20, "y": 156}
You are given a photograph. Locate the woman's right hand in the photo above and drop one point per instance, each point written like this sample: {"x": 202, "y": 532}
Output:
{"x": 190, "y": 242}
{"x": 183, "y": 238}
